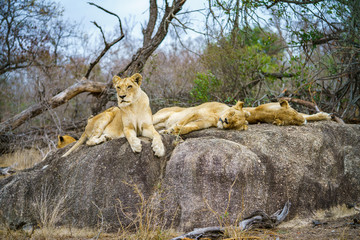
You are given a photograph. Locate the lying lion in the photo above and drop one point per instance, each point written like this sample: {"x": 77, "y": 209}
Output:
{"x": 178, "y": 120}
{"x": 281, "y": 114}
{"x": 132, "y": 118}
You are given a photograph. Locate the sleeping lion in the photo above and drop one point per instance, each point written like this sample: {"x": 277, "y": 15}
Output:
{"x": 132, "y": 118}
{"x": 178, "y": 120}
{"x": 281, "y": 114}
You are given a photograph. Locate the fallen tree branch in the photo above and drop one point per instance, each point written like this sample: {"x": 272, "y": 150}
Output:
{"x": 82, "y": 86}
{"x": 202, "y": 233}
{"x": 259, "y": 219}
{"x": 136, "y": 65}
{"x": 59, "y": 99}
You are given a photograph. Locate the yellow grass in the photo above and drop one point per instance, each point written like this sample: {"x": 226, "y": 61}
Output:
{"x": 21, "y": 159}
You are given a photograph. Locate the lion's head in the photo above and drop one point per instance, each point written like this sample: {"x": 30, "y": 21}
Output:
{"x": 64, "y": 141}
{"x": 234, "y": 118}
{"x": 288, "y": 116}
{"x": 127, "y": 89}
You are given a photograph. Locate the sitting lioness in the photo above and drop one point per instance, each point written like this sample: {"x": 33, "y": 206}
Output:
{"x": 65, "y": 140}
{"x": 281, "y": 114}
{"x": 132, "y": 118}
{"x": 178, "y": 120}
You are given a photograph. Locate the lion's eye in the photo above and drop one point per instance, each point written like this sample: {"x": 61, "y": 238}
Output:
{"x": 129, "y": 87}
{"x": 118, "y": 87}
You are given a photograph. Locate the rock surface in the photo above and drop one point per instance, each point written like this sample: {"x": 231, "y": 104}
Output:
{"x": 214, "y": 176}
{"x": 87, "y": 187}
{"x": 314, "y": 166}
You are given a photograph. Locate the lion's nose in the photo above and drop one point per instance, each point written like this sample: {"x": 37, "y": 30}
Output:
{"x": 122, "y": 96}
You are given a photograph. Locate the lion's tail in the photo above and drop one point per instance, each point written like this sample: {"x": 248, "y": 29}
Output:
{"x": 76, "y": 145}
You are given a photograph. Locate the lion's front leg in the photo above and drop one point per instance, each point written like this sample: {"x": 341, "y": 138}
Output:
{"x": 157, "y": 144}
{"x": 101, "y": 122}
{"x": 193, "y": 126}
{"x": 135, "y": 142}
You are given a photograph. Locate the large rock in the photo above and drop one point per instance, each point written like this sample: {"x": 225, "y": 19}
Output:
{"x": 217, "y": 175}
{"x": 85, "y": 188}
{"x": 213, "y": 176}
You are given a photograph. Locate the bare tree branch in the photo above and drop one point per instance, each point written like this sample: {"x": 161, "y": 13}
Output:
{"x": 83, "y": 86}
{"x": 57, "y": 100}
{"x": 140, "y": 57}
{"x": 136, "y": 65}
{"x": 107, "y": 45}
{"x": 152, "y": 21}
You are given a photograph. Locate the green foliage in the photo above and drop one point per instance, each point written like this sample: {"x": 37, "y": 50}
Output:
{"x": 204, "y": 84}
{"x": 239, "y": 62}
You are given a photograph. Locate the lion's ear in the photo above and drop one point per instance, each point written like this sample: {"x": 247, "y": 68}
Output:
{"x": 116, "y": 79}
{"x": 284, "y": 103}
{"x": 61, "y": 139}
{"x": 137, "y": 78}
{"x": 239, "y": 105}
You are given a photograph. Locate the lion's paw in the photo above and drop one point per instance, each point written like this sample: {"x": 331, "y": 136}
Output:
{"x": 324, "y": 116}
{"x": 136, "y": 145}
{"x": 170, "y": 131}
{"x": 278, "y": 122}
{"x": 94, "y": 140}
{"x": 176, "y": 130}
{"x": 158, "y": 147}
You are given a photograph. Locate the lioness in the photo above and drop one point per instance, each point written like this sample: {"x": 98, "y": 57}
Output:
{"x": 281, "y": 114}
{"x": 178, "y": 120}
{"x": 64, "y": 141}
{"x": 132, "y": 118}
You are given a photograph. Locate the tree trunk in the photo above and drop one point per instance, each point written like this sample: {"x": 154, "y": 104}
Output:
{"x": 136, "y": 65}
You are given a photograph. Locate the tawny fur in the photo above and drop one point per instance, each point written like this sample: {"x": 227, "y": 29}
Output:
{"x": 177, "y": 120}
{"x": 281, "y": 114}
{"x": 65, "y": 140}
{"x": 132, "y": 118}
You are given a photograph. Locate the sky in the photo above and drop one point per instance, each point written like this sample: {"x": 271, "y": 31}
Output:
{"x": 134, "y": 10}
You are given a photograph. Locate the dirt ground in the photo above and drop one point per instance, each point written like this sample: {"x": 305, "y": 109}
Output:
{"x": 340, "y": 228}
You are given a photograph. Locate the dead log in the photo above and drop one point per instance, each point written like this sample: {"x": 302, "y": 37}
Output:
{"x": 59, "y": 99}
{"x": 259, "y": 219}
{"x": 203, "y": 233}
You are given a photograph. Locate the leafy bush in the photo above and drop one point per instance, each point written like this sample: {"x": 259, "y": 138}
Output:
{"x": 204, "y": 85}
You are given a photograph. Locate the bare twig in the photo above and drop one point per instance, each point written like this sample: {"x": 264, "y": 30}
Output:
{"x": 107, "y": 45}
{"x": 82, "y": 86}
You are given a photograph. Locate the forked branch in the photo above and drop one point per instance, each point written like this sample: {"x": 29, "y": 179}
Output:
{"x": 82, "y": 86}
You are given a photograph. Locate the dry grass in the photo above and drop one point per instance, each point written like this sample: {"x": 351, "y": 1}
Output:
{"x": 48, "y": 210}
{"x": 21, "y": 159}
{"x": 148, "y": 222}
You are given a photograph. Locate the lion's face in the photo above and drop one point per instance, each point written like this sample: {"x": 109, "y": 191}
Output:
{"x": 234, "y": 118}
{"x": 127, "y": 89}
